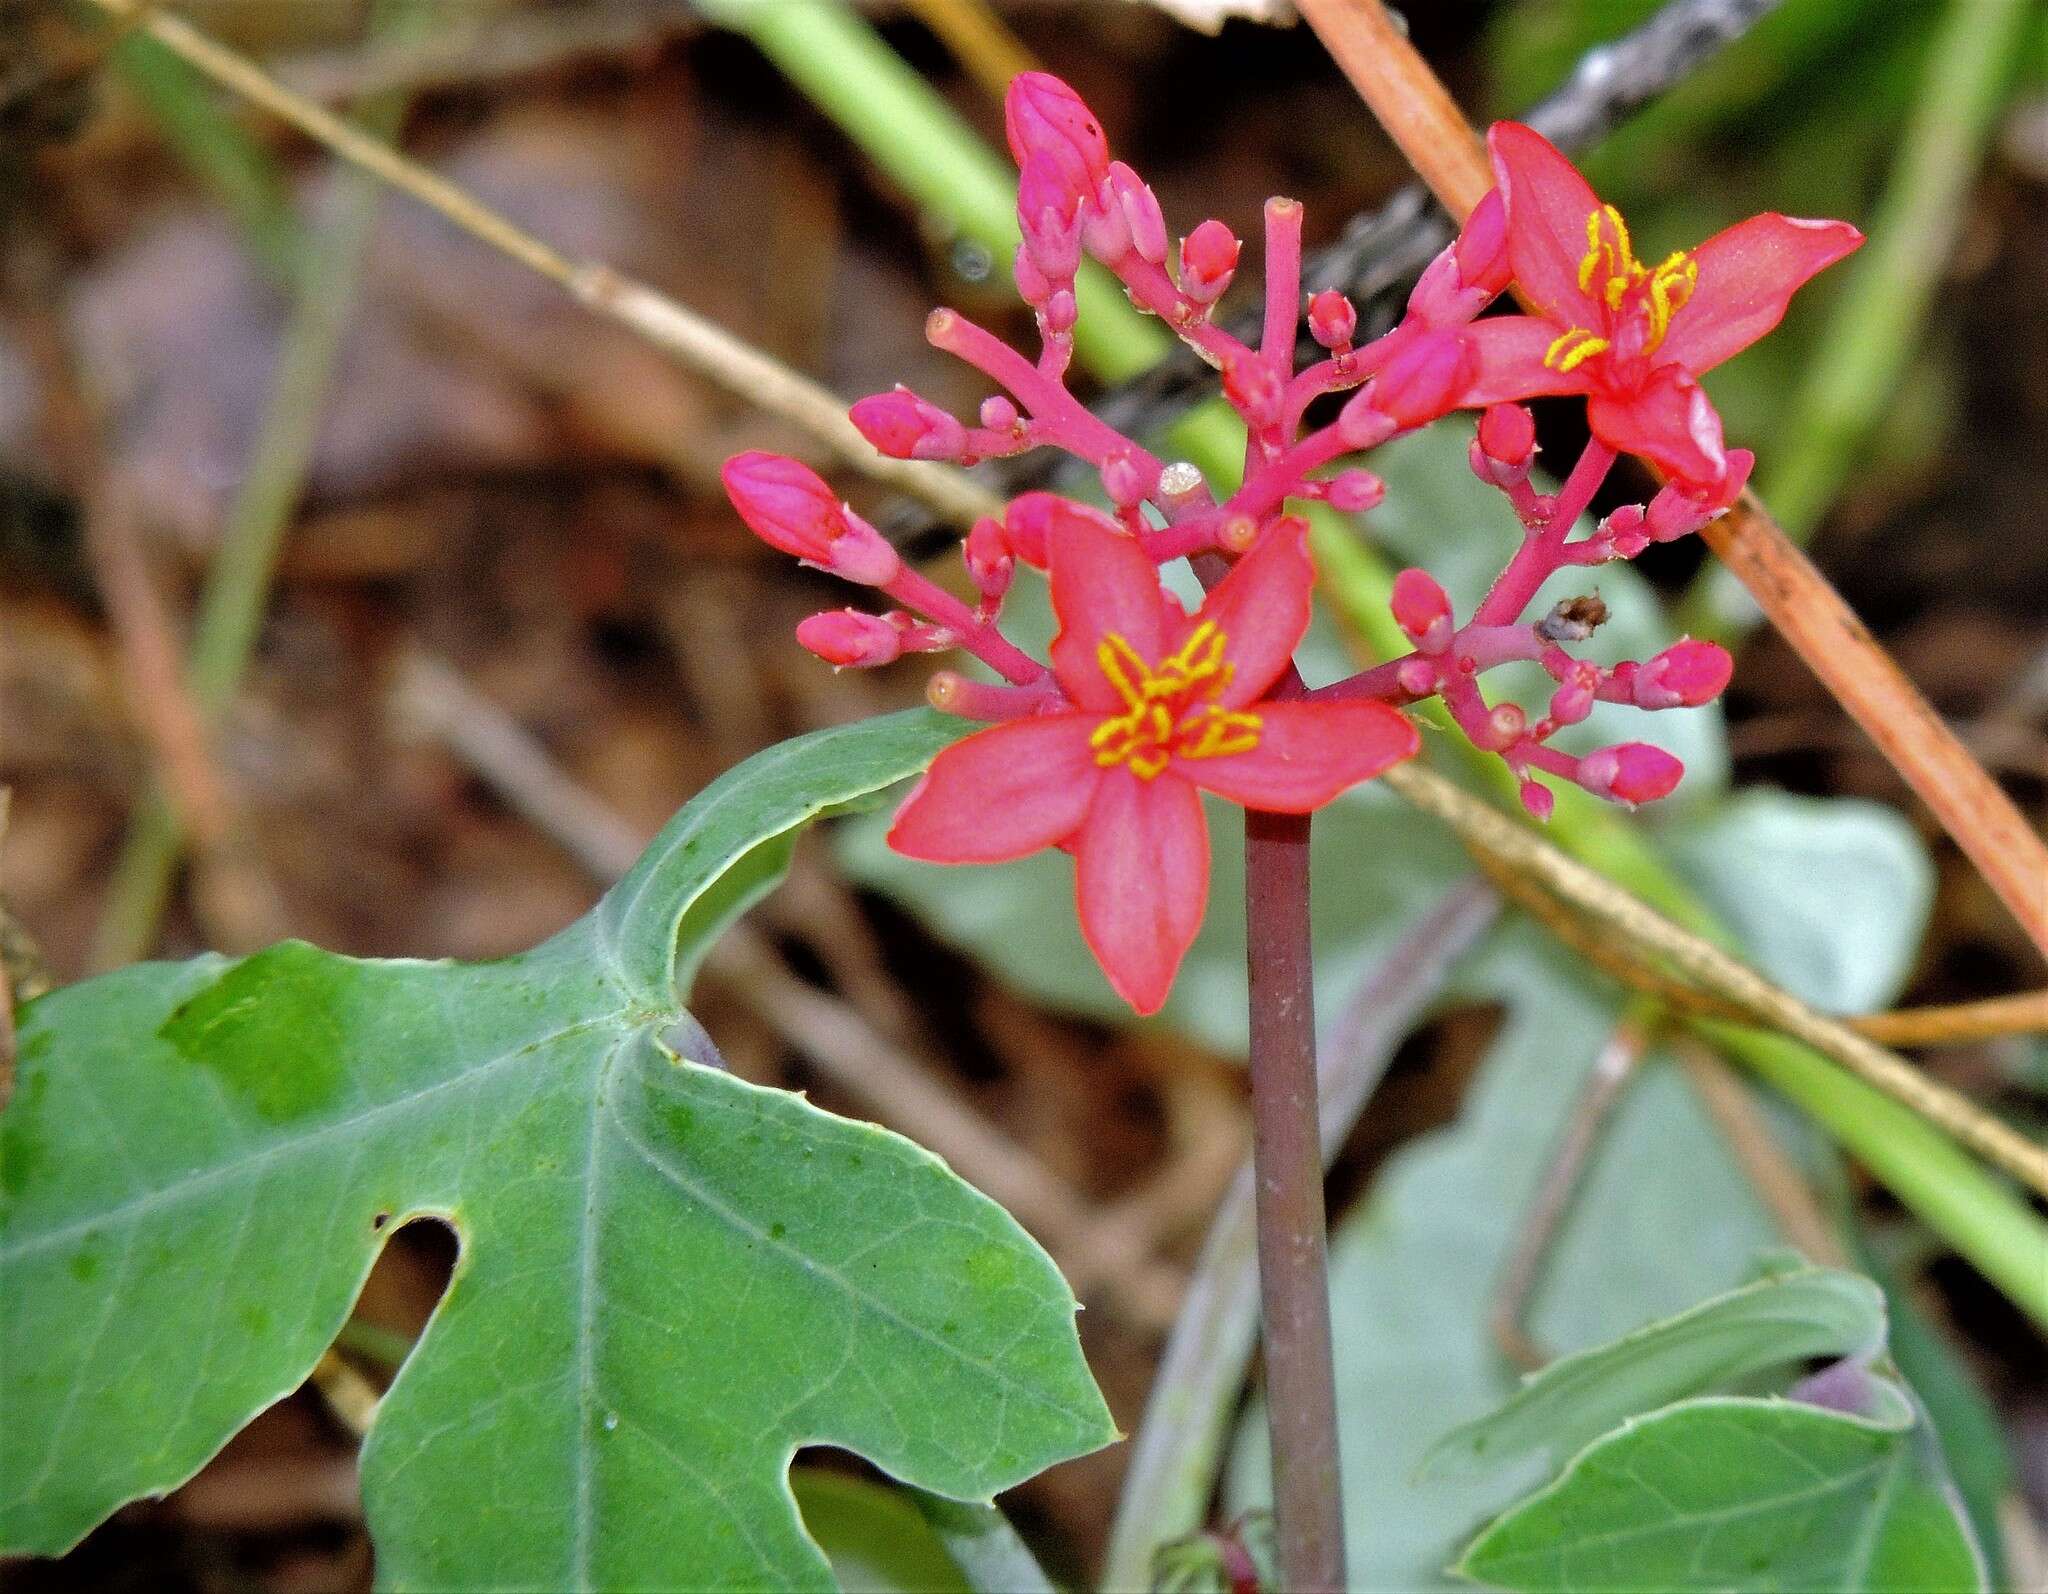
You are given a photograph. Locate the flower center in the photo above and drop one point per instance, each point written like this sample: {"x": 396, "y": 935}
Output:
{"x": 1646, "y": 299}
{"x": 1170, "y": 709}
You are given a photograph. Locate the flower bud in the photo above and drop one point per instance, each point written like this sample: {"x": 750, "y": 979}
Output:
{"x": 1061, "y": 312}
{"x": 1686, "y": 674}
{"x": 904, "y": 426}
{"x": 1505, "y": 723}
{"x": 1029, "y": 522}
{"x": 1538, "y": 799}
{"x": 788, "y": 506}
{"x": 1142, "y": 215}
{"x": 1632, "y": 772}
{"x": 1417, "y": 677}
{"x": 998, "y": 414}
{"x": 1332, "y": 320}
{"x": 1254, "y": 390}
{"x": 1507, "y": 436}
{"x": 1481, "y": 249}
{"x": 1424, "y": 379}
{"x": 1047, "y": 121}
{"x": 1032, "y": 286}
{"x": 1361, "y": 423}
{"x": 1208, "y": 260}
{"x": 1355, "y": 491}
{"x": 1106, "y": 228}
{"x": 847, "y": 638}
{"x": 1123, "y": 480}
{"x": 989, "y": 560}
{"x": 1623, "y": 532}
{"x": 1049, "y": 216}
{"x": 1423, "y": 610}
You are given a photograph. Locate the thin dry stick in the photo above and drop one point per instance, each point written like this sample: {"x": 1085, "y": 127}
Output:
{"x": 2025, "y": 1013}
{"x": 1432, "y": 132}
{"x": 699, "y": 344}
{"x": 1609, "y": 1078}
{"x": 1485, "y": 829}
{"x": 1777, "y": 1182}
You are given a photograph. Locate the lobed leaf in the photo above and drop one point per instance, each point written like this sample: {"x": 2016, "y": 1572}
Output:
{"x": 669, "y": 1279}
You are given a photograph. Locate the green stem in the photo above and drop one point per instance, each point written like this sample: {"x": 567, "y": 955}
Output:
{"x": 1876, "y": 325}
{"x": 238, "y": 580}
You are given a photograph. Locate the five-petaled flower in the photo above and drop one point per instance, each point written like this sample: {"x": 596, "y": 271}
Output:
{"x": 1156, "y": 703}
{"x": 1633, "y": 338}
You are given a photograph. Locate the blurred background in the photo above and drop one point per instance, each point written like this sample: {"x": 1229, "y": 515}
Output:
{"x": 467, "y": 618}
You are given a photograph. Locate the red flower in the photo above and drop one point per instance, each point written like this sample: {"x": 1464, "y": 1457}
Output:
{"x": 1633, "y": 338}
{"x": 1157, "y": 704}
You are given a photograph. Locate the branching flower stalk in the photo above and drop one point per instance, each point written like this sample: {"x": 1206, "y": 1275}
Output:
{"x": 1105, "y": 749}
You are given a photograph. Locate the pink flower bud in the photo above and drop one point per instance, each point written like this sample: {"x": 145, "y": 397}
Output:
{"x": 1361, "y": 423}
{"x": 1032, "y": 287}
{"x": 1031, "y": 517}
{"x": 1507, "y": 435}
{"x": 1355, "y": 491}
{"x": 1061, "y": 312}
{"x": 1106, "y": 227}
{"x": 788, "y": 506}
{"x": 1332, "y": 320}
{"x": 989, "y": 560}
{"x": 1049, "y": 216}
{"x": 1505, "y": 723}
{"x": 1572, "y": 701}
{"x": 1425, "y": 378}
{"x": 1045, "y": 120}
{"x": 1623, "y": 532}
{"x": 1123, "y": 480}
{"x": 1632, "y": 772}
{"x": 1422, "y": 609}
{"x": 904, "y": 426}
{"x": 1482, "y": 246}
{"x": 1141, "y": 212}
{"x": 846, "y": 638}
{"x": 1417, "y": 677}
{"x": 785, "y": 504}
{"x": 998, "y": 414}
{"x": 1538, "y": 799}
{"x": 1254, "y": 390}
{"x": 1208, "y": 260}
{"x": 1686, "y": 674}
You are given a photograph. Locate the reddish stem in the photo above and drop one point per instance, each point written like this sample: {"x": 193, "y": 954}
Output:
{"x": 1542, "y": 551}
{"x": 1294, "y": 1295}
{"x": 978, "y": 637}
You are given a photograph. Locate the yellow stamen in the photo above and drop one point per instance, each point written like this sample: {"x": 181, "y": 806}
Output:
{"x": 1572, "y": 348}
{"x": 1610, "y": 260}
{"x": 1170, "y": 708}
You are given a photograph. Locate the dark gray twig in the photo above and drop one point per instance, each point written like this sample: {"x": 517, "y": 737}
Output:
{"x": 1380, "y": 253}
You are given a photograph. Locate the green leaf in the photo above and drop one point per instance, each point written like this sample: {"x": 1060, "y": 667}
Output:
{"x": 1777, "y": 1320}
{"x": 1737, "y": 1495}
{"x": 669, "y": 1279}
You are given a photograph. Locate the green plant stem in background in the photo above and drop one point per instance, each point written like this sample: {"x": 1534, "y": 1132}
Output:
{"x": 221, "y": 152}
{"x": 1876, "y": 324}
{"x": 238, "y": 580}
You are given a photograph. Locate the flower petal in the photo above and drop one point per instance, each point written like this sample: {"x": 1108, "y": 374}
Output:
{"x": 1102, "y": 582}
{"x": 1509, "y": 351}
{"x": 1548, "y": 203}
{"x": 1003, "y": 793}
{"x": 1307, "y": 754}
{"x": 1141, "y": 881}
{"x": 1748, "y": 274}
{"x": 1669, "y": 421}
{"x": 1262, "y": 609}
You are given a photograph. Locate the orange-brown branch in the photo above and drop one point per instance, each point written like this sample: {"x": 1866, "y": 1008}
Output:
{"x": 1427, "y": 125}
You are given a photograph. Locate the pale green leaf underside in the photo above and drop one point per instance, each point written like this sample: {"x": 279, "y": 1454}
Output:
{"x": 1741, "y": 1496}
{"x": 1772, "y": 1323}
{"x": 669, "y": 1279}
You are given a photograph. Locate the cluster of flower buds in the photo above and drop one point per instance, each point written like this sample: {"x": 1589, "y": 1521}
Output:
{"x": 1141, "y": 703}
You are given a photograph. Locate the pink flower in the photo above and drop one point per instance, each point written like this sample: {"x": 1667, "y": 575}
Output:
{"x": 1157, "y": 706}
{"x": 789, "y": 506}
{"x": 1633, "y": 338}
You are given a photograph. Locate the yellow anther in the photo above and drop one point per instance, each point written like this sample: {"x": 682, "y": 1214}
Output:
{"x": 1610, "y": 260}
{"x": 1571, "y": 349}
{"x": 1169, "y": 708}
